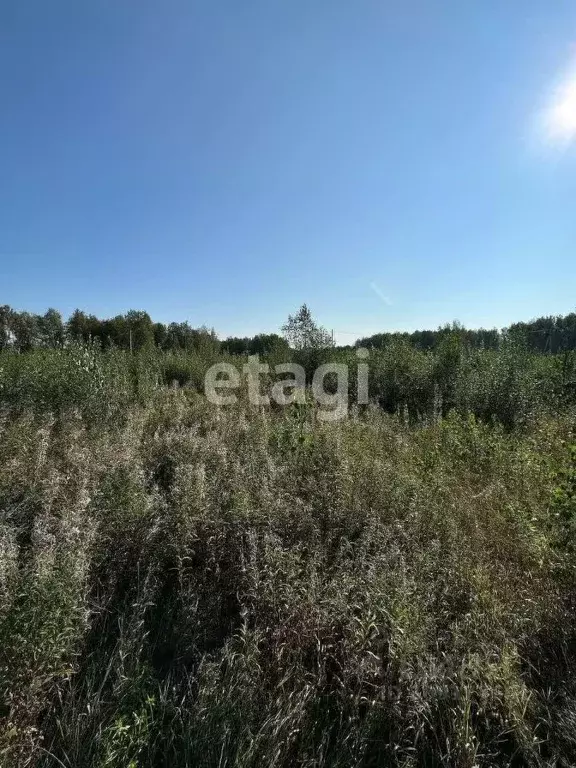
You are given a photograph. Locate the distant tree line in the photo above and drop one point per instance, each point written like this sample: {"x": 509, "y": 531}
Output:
{"x": 429, "y": 340}
{"x": 545, "y": 334}
{"x": 261, "y": 344}
{"x": 135, "y": 330}
{"x": 23, "y": 331}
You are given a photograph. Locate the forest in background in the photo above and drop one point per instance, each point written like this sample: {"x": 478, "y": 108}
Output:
{"x": 136, "y": 330}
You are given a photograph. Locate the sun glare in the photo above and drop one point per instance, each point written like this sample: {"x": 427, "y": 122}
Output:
{"x": 560, "y": 117}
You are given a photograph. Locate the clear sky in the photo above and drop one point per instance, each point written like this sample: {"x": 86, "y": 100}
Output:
{"x": 396, "y": 164}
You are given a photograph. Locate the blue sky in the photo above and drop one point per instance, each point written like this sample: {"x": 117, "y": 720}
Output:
{"x": 223, "y": 161}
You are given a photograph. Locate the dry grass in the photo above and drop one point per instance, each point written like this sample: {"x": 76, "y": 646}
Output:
{"x": 187, "y": 586}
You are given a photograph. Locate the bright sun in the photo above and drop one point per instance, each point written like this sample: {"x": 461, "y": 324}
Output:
{"x": 560, "y": 117}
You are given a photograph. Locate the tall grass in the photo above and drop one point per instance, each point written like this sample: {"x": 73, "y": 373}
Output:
{"x": 182, "y": 585}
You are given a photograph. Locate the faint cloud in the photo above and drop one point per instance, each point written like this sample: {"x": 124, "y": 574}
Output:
{"x": 378, "y": 291}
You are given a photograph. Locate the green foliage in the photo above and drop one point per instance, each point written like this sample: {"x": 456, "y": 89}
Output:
{"x": 505, "y": 386}
{"x": 197, "y": 587}
{"x": 185, "y": 370}
{"x": 553, "y": 334}
{"x": 402, "y": 380}
{"x": 185, "y": 585}
{"x": 564, "y": 502}
{"x": 78, "y": 377}
{"x": 301, "y": 331}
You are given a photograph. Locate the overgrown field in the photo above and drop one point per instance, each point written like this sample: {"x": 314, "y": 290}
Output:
{"x": 183, "y": 585}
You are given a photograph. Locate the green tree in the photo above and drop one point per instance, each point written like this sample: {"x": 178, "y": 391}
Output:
{"x": 160, "y": 332}
{"x": 79, "y": 326}
{"x": 25, "y": 327}
{"x": 140, "y": 330}
{"x": 301, "y": 332}
{"x": 267, "y": 343}
{"x": 51, "y": 329}
{"x": 6, "y": 334}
